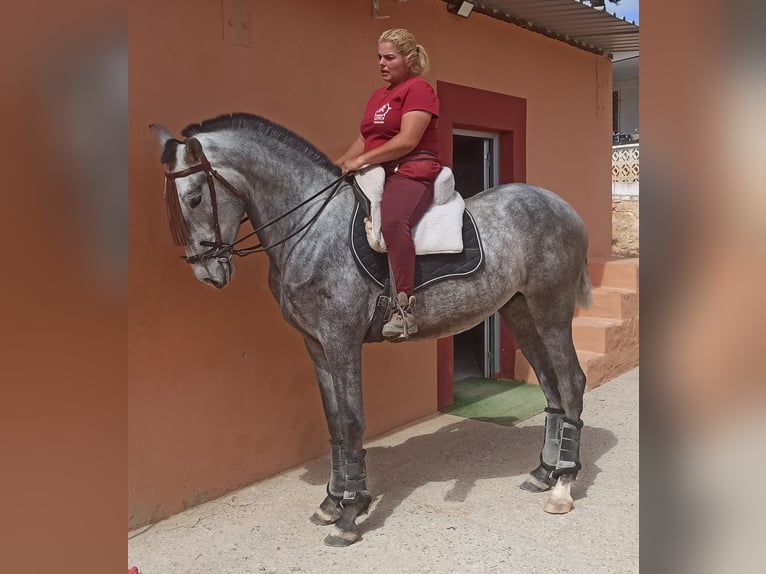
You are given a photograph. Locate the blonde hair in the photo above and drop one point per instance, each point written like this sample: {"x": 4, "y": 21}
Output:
{"x": 404, "y": 42}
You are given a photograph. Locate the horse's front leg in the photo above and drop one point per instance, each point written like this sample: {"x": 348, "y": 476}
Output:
{"x": 329, "y": 510}
{"x": 346, "y": 369}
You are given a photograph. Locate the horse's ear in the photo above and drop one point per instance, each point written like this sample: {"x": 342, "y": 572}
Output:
{"x": 161, "y": 133}
{"x": 193, "y": 151}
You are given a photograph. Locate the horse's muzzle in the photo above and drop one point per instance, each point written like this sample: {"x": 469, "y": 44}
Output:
{"x": 215, "y": 273}
{"x": 215, "y": 283}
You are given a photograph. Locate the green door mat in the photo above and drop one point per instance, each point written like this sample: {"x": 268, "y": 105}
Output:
{"x": 498, "y": 401}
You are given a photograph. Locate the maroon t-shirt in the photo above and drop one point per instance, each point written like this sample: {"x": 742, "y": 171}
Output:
{"x": 382, "y": 117}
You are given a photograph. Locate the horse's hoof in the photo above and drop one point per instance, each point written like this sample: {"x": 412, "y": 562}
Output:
{"x": 322, "y": 518}
{"x": 532, "y": 484}
{"x": 558, "y": 506}
{"x": 327, "y": 513}
{"x": 339, "y": 538}
{"x": 531, "y": 487}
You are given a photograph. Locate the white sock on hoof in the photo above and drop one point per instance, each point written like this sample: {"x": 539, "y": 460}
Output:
{"x": 560, "y": 501}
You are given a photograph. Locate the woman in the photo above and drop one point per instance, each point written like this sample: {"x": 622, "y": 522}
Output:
{"x": 398, "y": 130}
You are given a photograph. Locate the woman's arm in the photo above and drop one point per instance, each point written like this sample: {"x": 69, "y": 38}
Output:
{"x": 354, "y": 150}
{"x": 413, "y": 127}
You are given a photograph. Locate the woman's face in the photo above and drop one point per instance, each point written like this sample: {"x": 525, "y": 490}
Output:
{"x": 393, "y": 66}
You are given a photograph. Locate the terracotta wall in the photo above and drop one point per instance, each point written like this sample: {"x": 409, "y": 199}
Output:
{"x": 221, "y": 391}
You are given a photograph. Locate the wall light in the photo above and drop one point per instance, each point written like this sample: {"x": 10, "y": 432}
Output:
{"x": 460, "y": 8}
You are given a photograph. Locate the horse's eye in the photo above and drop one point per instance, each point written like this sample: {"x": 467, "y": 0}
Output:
{"x": 195, "y": 201}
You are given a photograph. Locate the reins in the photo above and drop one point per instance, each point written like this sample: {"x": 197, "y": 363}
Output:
{"x": 335, "y": 185}
{"x": 218, "y": 249}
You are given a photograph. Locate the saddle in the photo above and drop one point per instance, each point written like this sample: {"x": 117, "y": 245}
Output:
{"x": 438, "y": 231}
{"x": 459, "y": 255}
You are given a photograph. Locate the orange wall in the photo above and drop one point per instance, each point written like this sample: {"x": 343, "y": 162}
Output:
{"x": 221, "y": 391}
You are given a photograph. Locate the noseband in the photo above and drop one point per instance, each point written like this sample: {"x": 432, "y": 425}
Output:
{"x": 218, "y": 249}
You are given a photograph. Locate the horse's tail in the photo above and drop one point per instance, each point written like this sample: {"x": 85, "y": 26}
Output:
{"x": 582, "y": 296}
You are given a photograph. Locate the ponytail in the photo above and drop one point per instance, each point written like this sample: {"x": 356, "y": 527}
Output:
{"x": 420, "y": 61}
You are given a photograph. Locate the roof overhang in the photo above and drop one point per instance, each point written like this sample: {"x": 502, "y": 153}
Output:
{"x": 570, "y": 21}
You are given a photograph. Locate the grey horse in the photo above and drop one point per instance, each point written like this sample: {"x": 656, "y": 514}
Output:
{"x": 535, "y": 272}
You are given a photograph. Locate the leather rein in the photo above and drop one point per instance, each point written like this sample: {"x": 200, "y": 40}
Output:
{"x": 217, "y": 249}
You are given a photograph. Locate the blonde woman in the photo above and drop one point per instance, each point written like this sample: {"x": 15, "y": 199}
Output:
{"x": 398, "y": 131}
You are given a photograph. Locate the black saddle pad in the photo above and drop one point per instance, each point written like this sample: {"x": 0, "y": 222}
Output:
{"x": 428, "y": 268}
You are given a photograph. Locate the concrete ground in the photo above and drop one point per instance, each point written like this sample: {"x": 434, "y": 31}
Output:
{"x": 446, "y": 500}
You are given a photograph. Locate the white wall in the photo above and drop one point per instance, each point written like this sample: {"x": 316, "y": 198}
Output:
{"x": 625, "y": 75}
{"x": 628, "y": 111}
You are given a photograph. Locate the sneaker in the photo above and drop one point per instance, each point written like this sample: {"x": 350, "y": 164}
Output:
{"x": 395, "y": 325}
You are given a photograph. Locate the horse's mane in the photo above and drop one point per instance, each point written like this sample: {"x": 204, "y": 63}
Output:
{"x": 261, "y": 127}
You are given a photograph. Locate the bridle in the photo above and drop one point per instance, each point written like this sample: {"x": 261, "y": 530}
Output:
{"x": 217, "y": 249}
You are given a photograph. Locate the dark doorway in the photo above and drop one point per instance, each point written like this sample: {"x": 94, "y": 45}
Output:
{"x": 468, "y": 164}
{"x": 474, "y": 163}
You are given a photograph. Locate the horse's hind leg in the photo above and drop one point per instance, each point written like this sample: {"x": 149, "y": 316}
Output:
{"x": 558, "y": 341}
{"x": 557, "y": 338}
{"x": 557, "y": 359}
{"x": 516, "y": 314}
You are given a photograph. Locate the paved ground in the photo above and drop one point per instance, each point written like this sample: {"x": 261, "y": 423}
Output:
{"x": 446, "y": 501}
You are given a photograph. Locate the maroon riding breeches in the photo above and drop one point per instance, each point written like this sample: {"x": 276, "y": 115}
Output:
{"x": 404, "y": 202}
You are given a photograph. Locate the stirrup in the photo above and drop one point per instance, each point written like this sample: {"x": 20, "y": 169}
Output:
{"x": 402, "y": 306}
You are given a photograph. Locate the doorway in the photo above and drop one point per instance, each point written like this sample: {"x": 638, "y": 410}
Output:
{"x": 475, "y": 166}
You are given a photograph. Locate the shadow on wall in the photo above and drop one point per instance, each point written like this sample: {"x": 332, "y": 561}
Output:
{"x": 464, "y": 452}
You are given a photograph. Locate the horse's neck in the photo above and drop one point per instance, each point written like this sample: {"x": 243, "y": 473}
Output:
{"x": 277, "y": 181}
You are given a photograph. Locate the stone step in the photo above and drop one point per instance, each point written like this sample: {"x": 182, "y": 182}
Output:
{"x": 611, "y": 303}
{"x": 614, "y": 272}
{"x": 606, "y": 335}
{"x": 598, "y": 334}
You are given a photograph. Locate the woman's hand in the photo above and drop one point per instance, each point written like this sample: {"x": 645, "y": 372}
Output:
{"x": 352, "y": 164}
{"x": 354, "y": 150}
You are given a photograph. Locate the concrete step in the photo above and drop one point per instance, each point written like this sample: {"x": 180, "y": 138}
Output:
{"x": 611, "y": 303}
{"x": 614, "y": 272}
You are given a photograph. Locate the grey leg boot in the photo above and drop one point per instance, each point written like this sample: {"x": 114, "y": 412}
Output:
{"x": 402, "y": 323}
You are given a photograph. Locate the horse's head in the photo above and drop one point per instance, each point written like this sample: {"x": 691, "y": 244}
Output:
{"x": 204, "y": 211}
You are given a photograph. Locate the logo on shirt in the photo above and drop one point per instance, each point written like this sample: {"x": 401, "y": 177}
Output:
{"x": 380, "y": 115}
